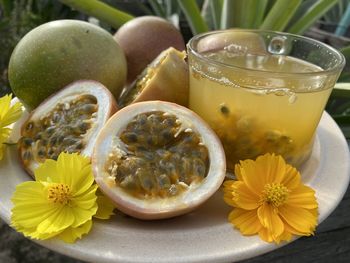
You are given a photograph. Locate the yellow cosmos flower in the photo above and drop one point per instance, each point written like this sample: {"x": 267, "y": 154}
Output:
{"x": 8, "y": 115}
{"x": 61, "y": 202}
{"x": 270, "y": 200}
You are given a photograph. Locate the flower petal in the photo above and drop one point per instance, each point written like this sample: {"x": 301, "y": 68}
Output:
{"x": 47, "y": 171}
{"x": 246, "y": 199}
{"x": 60, "y": 220}
{"x": 105, "y": 207}
{"x": 75, "y": 171}
{"x": 300, "y": 219}
{"x": 4, "y": 135}
{"x": 87, "y": 199}
{"x": 230, "y": 192}
{"x": 5, "y": 103}
{"x": 265, "y": 234}
{"x": 251, "y": 177}
{"x": 271, "y": 168}
{"x": 70, "y": 234}
{"x": 270, "y": 219}
{"x": 303, "y": 197}
{"x": 246, "y": 221}
{"x": 30, "y": 205}
{"x": 292, "y": 178}
{"x": 81, "y": 216}
{"x": 12, "y": 114}
{"x": 33, "y": 233}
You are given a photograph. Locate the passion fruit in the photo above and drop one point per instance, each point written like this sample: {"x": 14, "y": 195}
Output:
{"x": 57, "y": 53}
{"x": 143, "y": 39}
{"x": 166, "y": 78}
{"x": 68, "y": 121}
{"x": 157, "y": 160}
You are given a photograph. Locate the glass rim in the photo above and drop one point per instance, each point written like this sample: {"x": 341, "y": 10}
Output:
{"x": 337, "y": 68}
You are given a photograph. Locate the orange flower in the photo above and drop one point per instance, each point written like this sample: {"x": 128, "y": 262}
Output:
{"x": 270, "y": 200}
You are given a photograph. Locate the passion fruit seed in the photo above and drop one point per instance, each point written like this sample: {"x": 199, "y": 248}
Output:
{"x": 61, "y": 130}
{"x": 161, "y": 158}
{"x": 241, "y": 138}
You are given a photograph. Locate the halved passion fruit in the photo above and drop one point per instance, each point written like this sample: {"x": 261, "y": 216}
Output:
{"x": 166, "y": 79}
{"x": 68, "y": 121}
{"x": 157, "y": 160}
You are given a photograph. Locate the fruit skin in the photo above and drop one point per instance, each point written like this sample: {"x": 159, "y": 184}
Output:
{"x": 57, "y": 53}
{"x": 81, "y": 87}
{"x": 143, "y": 38}
{"x": 158, "y": 208}
{"x": 169, "y": 83}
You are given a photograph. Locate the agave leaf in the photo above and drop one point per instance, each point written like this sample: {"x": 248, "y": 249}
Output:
{"x": 229, "y": 14}
{"x": 278, "y": 17}
{"x": 260, "y": 9}
{"x": 215, "y": 8}
{"x": 157, "y": 8}
{"x": 101, "y": 11}
{"x": 315, "y": 12}
{"x": 193, "y": 16}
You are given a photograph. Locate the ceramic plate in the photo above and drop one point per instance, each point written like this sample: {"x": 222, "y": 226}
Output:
{"x": 202, "y": 236}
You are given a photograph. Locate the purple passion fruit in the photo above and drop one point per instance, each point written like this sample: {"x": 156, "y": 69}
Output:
{"x": 143, "y": 39}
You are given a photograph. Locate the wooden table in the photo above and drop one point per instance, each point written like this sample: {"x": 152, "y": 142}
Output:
{"x": 330, "y": 244}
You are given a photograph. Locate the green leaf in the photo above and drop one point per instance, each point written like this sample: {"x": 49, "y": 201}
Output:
{"x": 228, "y": 14}
{"x": 341, "y": 90}
{"x": 157, "y": 8}
{"x": 215, "y": 8}
{"x": 346, "y": 52}
{"x": 259, "y": 12}
{"x": 101, "y": 11}
{"x": 280, "y": 14}
{"x": 193, "y": 16}
{"x": 314, "y": 13}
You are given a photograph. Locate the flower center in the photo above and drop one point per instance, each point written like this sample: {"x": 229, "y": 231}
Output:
{"x": 59, "y": 193}
{"x": 275, "y": 194}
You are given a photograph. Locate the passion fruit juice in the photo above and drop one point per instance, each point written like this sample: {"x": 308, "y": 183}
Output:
{"x": 253, "y": 113}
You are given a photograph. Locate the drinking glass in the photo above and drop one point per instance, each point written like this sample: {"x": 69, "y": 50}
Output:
{"x": 262, "y": 91}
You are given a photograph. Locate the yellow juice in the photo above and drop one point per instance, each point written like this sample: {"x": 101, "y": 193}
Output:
{"x": 253, "y": 113}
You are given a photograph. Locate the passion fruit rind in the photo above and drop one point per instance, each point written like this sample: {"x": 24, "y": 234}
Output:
{"x": 166, "y": 79}
{"x": 136, "y": 186}
{"x": 68, "y": 121}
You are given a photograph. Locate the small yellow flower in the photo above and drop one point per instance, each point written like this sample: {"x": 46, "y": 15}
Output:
{"x": 61, "y": 202}
{"x": 270, "y": 200}
{"x": 8, "y": 115}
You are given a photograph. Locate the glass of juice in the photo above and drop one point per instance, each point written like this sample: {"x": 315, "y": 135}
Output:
{"x": 262, "y": 91}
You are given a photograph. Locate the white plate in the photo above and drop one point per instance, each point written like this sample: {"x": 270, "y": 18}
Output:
{"x": 202, "y": 236}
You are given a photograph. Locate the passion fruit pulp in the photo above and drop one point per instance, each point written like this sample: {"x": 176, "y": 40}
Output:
{"x": 57, "y": 53}
{"x": 68, "y": 121}
{"x": 157, "y": 160}
{"x": 166, "y": 78}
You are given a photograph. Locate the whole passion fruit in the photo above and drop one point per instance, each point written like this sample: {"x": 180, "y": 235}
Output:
{"x": 143, "y": 39}
{"x": 68, "y": 121}
{"x": 57, "y": 53}
{"x": 157, "y": 160}
{"x": 166, "y": 78}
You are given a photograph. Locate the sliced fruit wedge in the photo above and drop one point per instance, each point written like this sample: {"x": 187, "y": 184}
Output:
{"x": 68, "y": 121}
{"x": 166, "y": 79}
{"x": 158, "y": 160}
